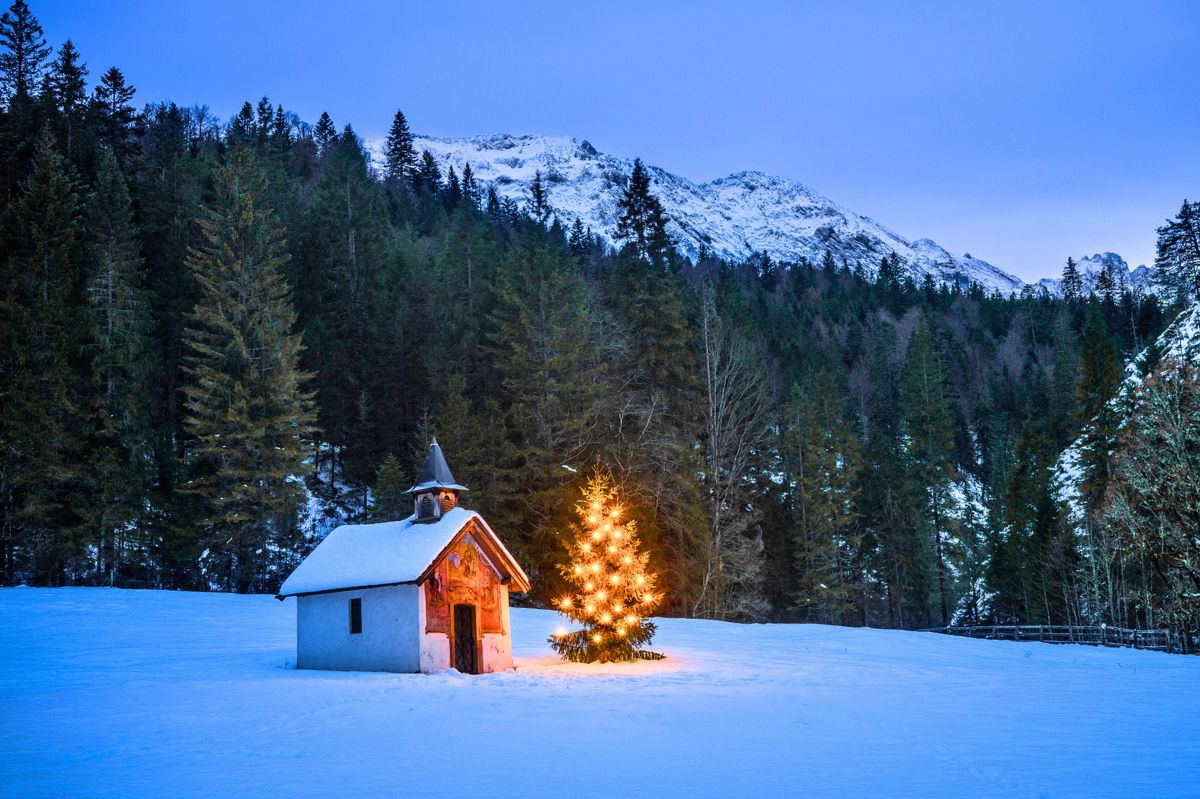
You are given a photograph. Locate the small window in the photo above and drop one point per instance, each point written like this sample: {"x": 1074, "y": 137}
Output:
{"x": 355, "y": 616}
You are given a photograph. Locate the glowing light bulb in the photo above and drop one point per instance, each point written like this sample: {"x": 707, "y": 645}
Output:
{"x": 595, "y": 506}
{"x": 621, "y": 631}
{"x": 616, "y": 578}
{"x": 596, "y": 536}
{"x": 578, "y": 569}
{"x": 618, "y": 607}
{"x": 597, "y": 638}
{"x": 601, "y": 595}
{"x": 589, "y": 585}
{"x": 560, "y": 632}
{"x": 595, "y": 567}
{"x": 586, "y": 547}
{"x": 589, "y": 607}
{"x": 625, "y": 559}
{"x": 593, "y": 519}
{"x": 631, "y": 619}
{"x": 641, "y": 580}
{"x": 606, "y": 618}
{"x": 611, "y": 549}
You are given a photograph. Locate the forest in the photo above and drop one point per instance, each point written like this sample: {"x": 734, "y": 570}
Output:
{"x": 215, "y": 333}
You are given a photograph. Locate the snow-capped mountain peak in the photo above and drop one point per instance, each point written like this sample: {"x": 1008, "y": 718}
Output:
{"x": 732, "y": 217}
{"x": 1092, "y": 266}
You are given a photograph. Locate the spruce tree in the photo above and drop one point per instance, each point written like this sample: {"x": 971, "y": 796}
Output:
{"x": 929, "y": 425}
{"x": 23, "y": 56}
{"x": 112, "y": 102}
{"x": 66, "y": 83}
{"x": 41, "y": 426}
{"x": 544, "y": 345}
{"x": 324, "y": 134}
{"x": 642, "y": 222}
{"x": 1099, "y": 379}
{"x": 578, "y": 239}
{"x": 121, "y": 451}
{"x": 1177, "y": 259}
{"x": 611, "y": 591}
{"x": 470, "y": 187}
{"x": 1072, "y": 282}
{"x": 429, "y": 176}
{"x": 823, "y": 459}
{"x": 389, "y": 502}
{"x": 400, "y": 159}
{"x": 1106, "y": 287}
{"x": 539, "y": 199}
{"x": 247, "y": 412}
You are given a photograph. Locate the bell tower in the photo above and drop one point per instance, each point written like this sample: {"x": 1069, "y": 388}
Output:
{"x": 435, "y": 490}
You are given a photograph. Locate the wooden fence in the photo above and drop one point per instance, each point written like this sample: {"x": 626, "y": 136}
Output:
{"x": 1102, "y": 635}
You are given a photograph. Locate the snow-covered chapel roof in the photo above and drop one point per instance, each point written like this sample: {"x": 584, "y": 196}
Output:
{"x": 391, "y": 553}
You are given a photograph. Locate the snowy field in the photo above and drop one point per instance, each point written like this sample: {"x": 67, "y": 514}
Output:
{"x": 145, "y": 693}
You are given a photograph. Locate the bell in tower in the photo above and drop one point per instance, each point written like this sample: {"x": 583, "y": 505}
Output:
{"x": 435, "y": 490}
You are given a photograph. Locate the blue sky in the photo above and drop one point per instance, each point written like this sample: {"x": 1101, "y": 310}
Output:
{"x": 1020, "y": 132}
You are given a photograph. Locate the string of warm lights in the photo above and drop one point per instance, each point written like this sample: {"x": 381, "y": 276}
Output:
{"x": 613, "y": 591}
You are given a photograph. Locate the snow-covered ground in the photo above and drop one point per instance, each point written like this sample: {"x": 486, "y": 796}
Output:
{"x": 142, "y": 693}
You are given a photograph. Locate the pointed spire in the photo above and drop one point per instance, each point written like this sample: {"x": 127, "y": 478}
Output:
{"x": 435, "y": 472}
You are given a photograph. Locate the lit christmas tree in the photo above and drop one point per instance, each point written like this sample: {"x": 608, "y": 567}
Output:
{"x": 612, "y": 592}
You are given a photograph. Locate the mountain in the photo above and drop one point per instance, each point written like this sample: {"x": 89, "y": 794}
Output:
{"x": 734, "y": 217}
{"x": 1139, "y": 279}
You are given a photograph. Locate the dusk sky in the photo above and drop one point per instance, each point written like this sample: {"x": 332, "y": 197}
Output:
{"x": 1019, "y": 132}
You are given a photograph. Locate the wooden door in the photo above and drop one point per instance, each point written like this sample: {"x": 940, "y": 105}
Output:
{"x": 464, "y": 639}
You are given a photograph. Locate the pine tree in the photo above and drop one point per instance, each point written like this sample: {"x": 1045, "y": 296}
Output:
{"x": 453, "y": 194}
{"x": 612, "y": 593}
{"x": 543, "y": 342}
{"x": 281, "y": 129}
{"x": 66, "y": 84}
{"x": 121, "y": 453}
{"x": 928, "y": 423}
{"x": 248, "y": 414}
{"x": 1099, "y": 379}
{"x": 429, "y": 176}
{"x": 1177, "y": 260}
{"x": 400, "y": 159}
{"x": 539, "y": 200}
{"x": 324, "y": 134}
{"x": 578, "y": 239}
{"x": 389, "y": 500}
{"x": 341, "y": 265}
{"x": 643, "y": 222}
{"x": 823, "y": 459}
{"x": 25, "y": 50}
{"x": 114, "y": 111}
{"x": 41, "y": 333}
{"x": 263, "y": 119}
{"x": 470, "y": 188}
{"x": 1106, "y": 287}
{"x": 1072, "y": 282}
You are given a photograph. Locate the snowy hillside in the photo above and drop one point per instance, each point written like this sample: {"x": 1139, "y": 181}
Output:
{"x": 1179, "y": 342}
{"x": 146, "y": 693}
{"x": 733, "y": 217}
{"x": 1139, "y": 279}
